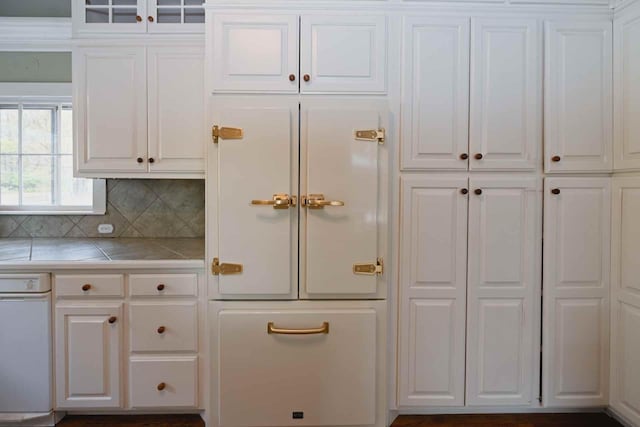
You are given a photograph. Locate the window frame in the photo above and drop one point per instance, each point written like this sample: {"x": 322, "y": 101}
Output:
{"x": 50, "y": 94}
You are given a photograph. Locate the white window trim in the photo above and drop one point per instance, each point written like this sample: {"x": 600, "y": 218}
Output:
{"x": 49, "y": 93}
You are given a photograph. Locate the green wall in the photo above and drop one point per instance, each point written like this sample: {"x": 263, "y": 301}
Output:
{"x": 55, "y": 8}
{"x": 50, "y": 67}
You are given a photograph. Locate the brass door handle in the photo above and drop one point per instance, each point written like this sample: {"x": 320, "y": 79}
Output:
{"x": 272, "y": 329}
{"x": 279, "y": 201}
{"x": 317, "y": 201}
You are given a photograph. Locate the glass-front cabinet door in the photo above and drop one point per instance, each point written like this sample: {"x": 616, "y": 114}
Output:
{"x": 138, "y": 16}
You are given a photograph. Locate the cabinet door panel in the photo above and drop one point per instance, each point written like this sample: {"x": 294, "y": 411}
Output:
{"x": 110, "y": 109}
{"x": 108, "y": 17}
{"x": 505, "y": 94}
{"x": 433, "y": 291}
{"x": 503, "y": 290}
{"x": 262, "y": 163}
{"x": 342, "y": 169}
{"x": 435, "y": 120}
{"x": 578, "y": 99}
{"x": 254, "y": 53}
{"x": 88, "y": 356}
{"x": 176, "y": 109}
{"x": 343, "y": 53}
{"x": 576, "y": 298}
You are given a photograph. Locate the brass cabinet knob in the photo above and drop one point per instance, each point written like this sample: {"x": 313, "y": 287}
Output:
{"x": 292, "y": 77}
{"x": 555, "y": 191}
{"x": 306, "y": 77}
{"x": 112, "y": 319}
{"x": 150, "y": 18}
{"x": 151, "y": 160}
{"x": 160, "y": 287}
{"x": 464, "y": 191}
{"x": 556, "y": 158}
{"x": 478, "y": 156}
{"x": 138, "y": 18}
{"x": 161, "y": 329}
{"x": 464, "y": 156}
{"x": 139, "y": 160}
{"x": 86, "y": 287}
{"x": 478, "y": 191}
{"x": 161, "y": 386}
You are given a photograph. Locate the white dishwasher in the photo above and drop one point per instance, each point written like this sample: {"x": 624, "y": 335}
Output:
{"x": 25, "y": 349}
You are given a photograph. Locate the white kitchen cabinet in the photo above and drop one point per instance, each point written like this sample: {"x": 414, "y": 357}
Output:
{"x": 319, "y": 364}
{"x": 309, "y": 54}
{"x": 625, "y": 295}
{"x": 577, "y": 260}
{"x": 94, "y": 17}
{"x": 503, "y": 291}
{"x": 505, "y": 118}
{"x": 139, "y": 111}
{"x": 343, "y": 53}
{"x": 627, "y": 89}
{"x": 88, "y": 345}
{"x": 433, "y": 289}
{"x": 435, "y": 117}
{"x": 578, "y": 96}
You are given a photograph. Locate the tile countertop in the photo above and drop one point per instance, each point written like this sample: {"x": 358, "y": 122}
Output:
{"x": 86, "y": 253}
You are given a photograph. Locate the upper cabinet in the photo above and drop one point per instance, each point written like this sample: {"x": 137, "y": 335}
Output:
{"x": 308, "y": 54}
{"x": 578, "y": 96}
{"x": 471, "y": 94}
{"x": 137, "y": 16}
{"x": 505, "y": 119}
{"x": 139, "y": 111}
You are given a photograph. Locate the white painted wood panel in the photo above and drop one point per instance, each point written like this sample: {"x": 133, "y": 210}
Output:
{"x": 178, "y": 320}
{"x": 100, "y": 285}
{"x": 576, "y": 299}
{"x": 627, "y": 90}
{"x": 253, "y": 52}
{"x": 88, "y": 356}
{"x": 167, "y": 285}
{"x": 263, "y": 163}
{"x": 176, "y": 109}
{"x": 578, "y": 96}
{"x": 110, "y": 109}
{"x": 177, "y": 374}
{"x": 343, "y": 53}
{"x": 625, "y": 342}
{"x": 503, "y": 291}
{"x": 432, "y": 291}
{"x": 506, "y": 65}
{"x": 435, "y": 113}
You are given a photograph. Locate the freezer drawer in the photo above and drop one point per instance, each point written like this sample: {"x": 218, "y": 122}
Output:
{"x": 269, "y": 376}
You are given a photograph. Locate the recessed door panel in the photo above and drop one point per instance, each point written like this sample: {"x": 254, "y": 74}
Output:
{"x": 344, "y": 170}
{"x": 252, "y": 169}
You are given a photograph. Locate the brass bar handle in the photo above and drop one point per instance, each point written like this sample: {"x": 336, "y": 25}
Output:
{"x": 317, "y": 201}
{"x": 272, "y": 329}
{"x": 328, "y": 203}
{"x": 279, "y": 201}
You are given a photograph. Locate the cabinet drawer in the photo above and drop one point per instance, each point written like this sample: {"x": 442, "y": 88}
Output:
{"x": 329, "y": 377}
{"x": 164, "y": 382}
{"x": 163, "y": 284}
{"x": 89, "y": 285}
{"x": 164, "y": 327}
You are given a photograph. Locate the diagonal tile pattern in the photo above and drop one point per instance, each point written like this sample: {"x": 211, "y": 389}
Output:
{"x": 136, "y": 208}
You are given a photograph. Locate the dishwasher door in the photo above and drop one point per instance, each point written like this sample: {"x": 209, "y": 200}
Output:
{"x": 25, "y": 353}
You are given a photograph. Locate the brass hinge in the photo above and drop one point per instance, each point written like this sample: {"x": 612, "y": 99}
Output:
{"x": 369, "y": 269}
{"x": 225, "y": 133}
{"x": 371, "y": 135}
{"x": 224, "y": 268}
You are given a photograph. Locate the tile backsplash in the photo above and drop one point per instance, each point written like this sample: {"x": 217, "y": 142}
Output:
{"x": 135, "y": 207}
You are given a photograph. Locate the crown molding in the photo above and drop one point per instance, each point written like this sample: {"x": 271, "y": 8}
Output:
{"x": 35, "y": 34}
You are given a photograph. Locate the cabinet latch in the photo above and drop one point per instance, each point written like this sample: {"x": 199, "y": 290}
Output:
{"x": 218, "y": 132}
{"x": 369, "y": 269}
{"x": 371, "y": 135}
{"x": 224, "y": 268}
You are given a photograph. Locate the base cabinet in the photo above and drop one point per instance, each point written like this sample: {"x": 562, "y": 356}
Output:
{"x": 298, "y": 363}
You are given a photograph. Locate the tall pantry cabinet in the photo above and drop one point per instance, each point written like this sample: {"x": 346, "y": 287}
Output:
{"x": 297, "y": 217}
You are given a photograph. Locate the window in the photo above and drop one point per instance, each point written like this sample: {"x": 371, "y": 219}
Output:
{"x": 36, "y": 160}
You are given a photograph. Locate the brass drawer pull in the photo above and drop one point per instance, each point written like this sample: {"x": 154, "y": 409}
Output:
{"x": 272, "y": 329}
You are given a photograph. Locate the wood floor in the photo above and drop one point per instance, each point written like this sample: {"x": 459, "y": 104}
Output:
{"x": 506, "y": 420}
